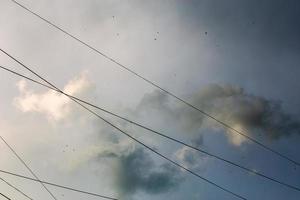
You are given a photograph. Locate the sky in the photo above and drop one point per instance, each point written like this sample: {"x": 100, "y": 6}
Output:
{"x": 237, "y": 60}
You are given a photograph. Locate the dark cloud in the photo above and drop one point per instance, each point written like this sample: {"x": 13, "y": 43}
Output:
{"x": 238, "y": 108}
{"x": 230, "y": 104}
{"x": 136, "y": 171}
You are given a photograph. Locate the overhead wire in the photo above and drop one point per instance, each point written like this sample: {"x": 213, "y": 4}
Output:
{"x": 15, "y": 188}
{"x": 157, "y": 132}
{"x": 125, "y": 133}
{"x": 57, "y": 185}
{"x": 4, "y": 196}
{"x": 24, "y": 163}
{"x": 224, "y": 124}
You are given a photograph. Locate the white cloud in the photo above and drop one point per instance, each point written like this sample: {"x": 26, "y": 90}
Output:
{"x": 235, "y": 138}
{"x": 191, "y": 159}
{"x": 53, "y": 105}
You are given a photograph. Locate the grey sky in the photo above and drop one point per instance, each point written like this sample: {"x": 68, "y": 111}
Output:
{"x": 237, "y": 59}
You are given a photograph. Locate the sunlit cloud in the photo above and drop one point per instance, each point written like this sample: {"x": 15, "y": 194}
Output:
{"x": 53, "y": 105}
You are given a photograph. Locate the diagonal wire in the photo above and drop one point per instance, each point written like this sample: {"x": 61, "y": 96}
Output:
{"x": 57, "y": 185}
{"x": 158, "y": 133}
{"x": 4, "y": 196}
{"x": 15, "y": 188}
{"x": 128, "y": 135}
{"x": 24, "y": 163}
{"x": 226, "y": 125}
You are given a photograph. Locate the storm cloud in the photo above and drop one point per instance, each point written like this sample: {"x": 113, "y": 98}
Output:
{"x": 254, "y": 115}
{"x": 137, "y": 171}
{"x": 134, "y": 171}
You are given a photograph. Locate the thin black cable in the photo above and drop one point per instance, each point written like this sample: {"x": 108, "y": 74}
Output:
{"x": 158, "y": 133}
{"x": 57, "y": 185}
{"x": 15, "y": 188}
{"x": 24, "y": 163}
{"x": 160, "y": 88}
{"x": 125, "y": 133}
{"x": 4, "y": 196}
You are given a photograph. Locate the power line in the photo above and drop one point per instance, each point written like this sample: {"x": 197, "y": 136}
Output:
{"x": 15, "y": 188}
{"x": 159, "y": 133}
{"x": 24, "y": 163}
{"x": 4, "y": 196}
{"x": 57, "y": 185}
{"x": 125, "y": 133}
{"x": 160, "y": 88}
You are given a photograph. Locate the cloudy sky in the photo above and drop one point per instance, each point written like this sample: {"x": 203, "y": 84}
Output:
{"x": 237, "y": 60}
